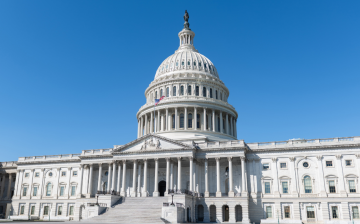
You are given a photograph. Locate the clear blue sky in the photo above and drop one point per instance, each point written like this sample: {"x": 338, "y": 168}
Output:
{"x": 73, "y": 73}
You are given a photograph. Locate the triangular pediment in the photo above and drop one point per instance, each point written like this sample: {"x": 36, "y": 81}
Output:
{"x": 152, "y": 142}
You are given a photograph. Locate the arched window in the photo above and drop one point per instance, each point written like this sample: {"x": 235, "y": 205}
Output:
{"x": 161, "y": 92}
{"x": 199, "y": 64}
{"x": 181, "y": 90}
{"x": 307, "y": 184}
{"x": 167, "y": 91}
{"x": 181, "y": 120}
{"x": 188, "y": 62}
{"x": 189, "y": 90}
{"x": 218, "y": 124}
{"x": 174, "y": 91}
{"x": 189, "y": 120}
{"x": 216, "y": 96}
{"x": 197, "y": 90}
{"x": 173, "y": 121}
{"x": 211, "y": 96}
{"x": 204, "y": 91}
{"x": 194, "y": 63}
{"x": 48, "y": 189}
{"x": 155, "y": 94}
{"x": 198, "y": 121}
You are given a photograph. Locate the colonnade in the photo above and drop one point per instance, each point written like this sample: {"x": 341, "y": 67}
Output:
{"x": 2, "y": 186}
{"x": 116, "y": 168}
{"x": 183, "y": 118}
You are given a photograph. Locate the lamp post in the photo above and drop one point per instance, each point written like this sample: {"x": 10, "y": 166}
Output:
{"x": 172, "y": 198}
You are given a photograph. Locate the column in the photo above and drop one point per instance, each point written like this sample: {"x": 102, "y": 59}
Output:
{"x": 276, "y": 179}
{"x": 227, "y": 123}
{"x": 341, "y": 176}
{"x": 113, "y": 177}
{"x": 42, "y": 185}
{"x": 144, "y": 193}
{"x": 81, "y": 180}
{"x": 231, "y": 192}
{"x": 195, "y": 169}
{"x": 18, "y": 184}
{"x": 293, "y": 177}
{"x": 139, "y": 181}
{"x": 158, "y": 122}
{"x": 221, "y": 123}
{"x": 142, "y": 126}
{"x": 207, "y": 194}
{"x": 99, "y": 179}
{"x": 205, "y": 121}
{"x": 133, "y": 192}
{"x": 57, "y": 182}
{"x": 191, "y": 174}
{"x": 176, "y": 119}
{"x": 218, "y": 189}
{"x": 123, "y": 190}
{"x": 213, "y": 120}
{"x": 8, "y": 195}
{"x": 152, "y": 130}
{"x": 109, "y": 179}
{"x": 195, "y": 118}
{"x": 156, "y": 191}
{"x": 185, "y": 119}
{"x": 68, "y": 183}
{"x": 118, "y": 178}
{"x": 146, "y": 125}
{"x": 252, "y": 177}
{"x": 232, "y": 126}
{"x": 179, "y": 174}
{"x": 171, "y": 176}
{"x": 90, "y": 180}
{"x": 138, "y": 128}
{"x": 3, "y": 184}
{"x": 167, "y": 175}
{"x": 167, "y": 128}
{"x": 243, "y": 189}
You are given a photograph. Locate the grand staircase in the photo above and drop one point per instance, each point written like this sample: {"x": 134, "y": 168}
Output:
{"x": 133, "y": 210}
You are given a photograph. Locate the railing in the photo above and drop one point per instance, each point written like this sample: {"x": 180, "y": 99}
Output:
{"x": 50, "y": 157}
{"x": 184, "y": 191}
{"x": 212, "y": 194}
{"x": 109, "y": 192}
{"x": 97, "y": 204}
{"x": 166, "y": 204}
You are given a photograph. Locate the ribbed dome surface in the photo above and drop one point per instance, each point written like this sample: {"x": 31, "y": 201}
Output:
{"x": 186, "y": 61}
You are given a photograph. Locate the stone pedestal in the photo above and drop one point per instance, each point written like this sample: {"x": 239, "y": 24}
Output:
{"x": 231, "y": 194}
{"x": 218, "y": 194}
{"x": 207, "y": 194}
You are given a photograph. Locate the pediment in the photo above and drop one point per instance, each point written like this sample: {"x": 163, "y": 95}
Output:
{"x": 152, "y": 142}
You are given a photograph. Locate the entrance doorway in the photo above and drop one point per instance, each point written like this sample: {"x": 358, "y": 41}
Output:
{"x": 238, "y": 213}
{"x": 188, "y": 211}
{"x": 162, "y": 188}
{"x": 212, "y": 213}
{"x": 226, "y": 213}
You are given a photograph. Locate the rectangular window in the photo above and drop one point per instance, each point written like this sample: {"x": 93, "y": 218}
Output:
{"x": 63, "y": 174}
{"x": 62, "y": 189}
{"x": 355, "y": 212}
{"x": 37, "y": 174}
{"x": 174, "y": 91}
{"x": 352, "y": 187}
{"x": 27, "y": 174}
{"x": 189, "y": 90}
{"x": 197, "y": 90}
{"x": 32, "y": 210}
{"x": 73, "y": 190}
{"x": 204, "y": 91}
{"x": 75, "y": 173}
{"x": 268, "y": 212}
{"x": 22, "y": 209}
{"x": 24, "y": 191}
{"x": 35, "y": 191}
{"x": 211, "y": 96}
{"x": 334, "y": 211}
{"x": 332, "y": 188}
{"x": 348, "y": 162}
{"x": 167, "y": 92}
{"x": 71, "y": 211}
{"x": 60, "y": 210}
{"x": 310, "y": 212}
{"x": 266, "y": 166}
{"x": 161, "y": 92}
{"x": 267, "y": 188}
{"x": 285, "y": 187}
{"x": 46, "y": 210}
{"x": 198, "y": 121}
{"x": 329, "y": 164}
{"x": 181, "y": 90}
{"x": 287, "y": 212}
{"x": 283, "y": 165}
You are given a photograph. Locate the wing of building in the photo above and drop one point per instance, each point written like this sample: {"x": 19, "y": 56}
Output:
{"x": 187, "y": 165}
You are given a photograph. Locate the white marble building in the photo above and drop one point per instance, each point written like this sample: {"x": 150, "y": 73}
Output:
{"x": 189, "y": 147}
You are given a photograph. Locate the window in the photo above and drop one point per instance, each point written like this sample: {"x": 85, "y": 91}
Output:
{"x": 216, "y": 96}
{"x": 173, "y": 121}
{"x": 352, "y": 187}
{"x": 266, "y": 166}
{"x": 198, "y": 121}
{"x": 60, "y": 210}
{"x": 167, "y": 92}
{"x": 190, "y": 121}
{"x": 334, "y": 211}
{"x": 106, "y": 173}
{"x": 181, "y": 90}
{"x": 285, "y": 187}
{"x": 62, "y": 189}
{"x": 199, "y": 64}
{"x": 73, "y": 190}
{"x": 32, "y": 210}
{"x": 75, "y": 173}
{"x": 332, "y": 188}
{"x": 268, "y": 212}
{"x": 63, "y": 174}
{"x": 22, "y": 209}
{"x": 329, "y": 164}
{"x": 211, "y": 96}
{"x": 181, "y": 120}
{"x": 310, "y": 212}
{"x": 283, "y": 165}
{"x": 307, "y": 185}
{"x": 46, "y": 210}
{"x": 71, "y": 210}
{"x": 50, "y": 174}
{"x": 155, "y": 94}
{"x": 204, "y": 91}
{"x": 287, "y": 212}
{"x": 355, "y": 212}
{"x": 48, "y": 189}
{"x": 188, "y": 62}
{"x": 177, "y": 63}
{"x": 306, "y": 164}
{"x": 174, "y": 91}
{"x": 197, "y": 90}
{"x": 218, "y": 124}
{"x": 205, "y": 65}
{"x": 182, "y": 63}
{"x": 35, "y": 191}
{"x": 348, "y": 162}
{"x": 27, "y": 174}
{"x": 161, "y": 93}
{"x": 267, "y": 188}
{"x": 37, "y": 174}
{"x": 189, "y": 90}
{"x": 194, "y": 63}
{"x": 24, "y": 191}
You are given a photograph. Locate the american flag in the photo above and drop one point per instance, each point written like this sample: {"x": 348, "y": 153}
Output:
{"x": 158, "y": 100}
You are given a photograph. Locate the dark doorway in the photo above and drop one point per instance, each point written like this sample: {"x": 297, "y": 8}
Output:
{"x": 162, "y": 188}
{"x": 226, "y": 213}
{"x": 188, "y": 214}
{"x": 238, "y": 213}
{"x": 200, "y": 213}
{"x": 212, "y": 213}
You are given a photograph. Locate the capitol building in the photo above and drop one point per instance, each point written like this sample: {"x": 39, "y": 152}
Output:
{"x": 188, "y": 165}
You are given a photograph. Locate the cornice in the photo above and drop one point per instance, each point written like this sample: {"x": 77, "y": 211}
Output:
{"x": 154, "y": 151}
{"x": 244, "y": 149}
{"x": 49, "y": 161}
{"x": 303, "y": 148}
{"x": 96, "y": 156}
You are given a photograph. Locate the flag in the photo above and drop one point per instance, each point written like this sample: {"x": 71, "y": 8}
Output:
{"x": 158, "y": 100}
